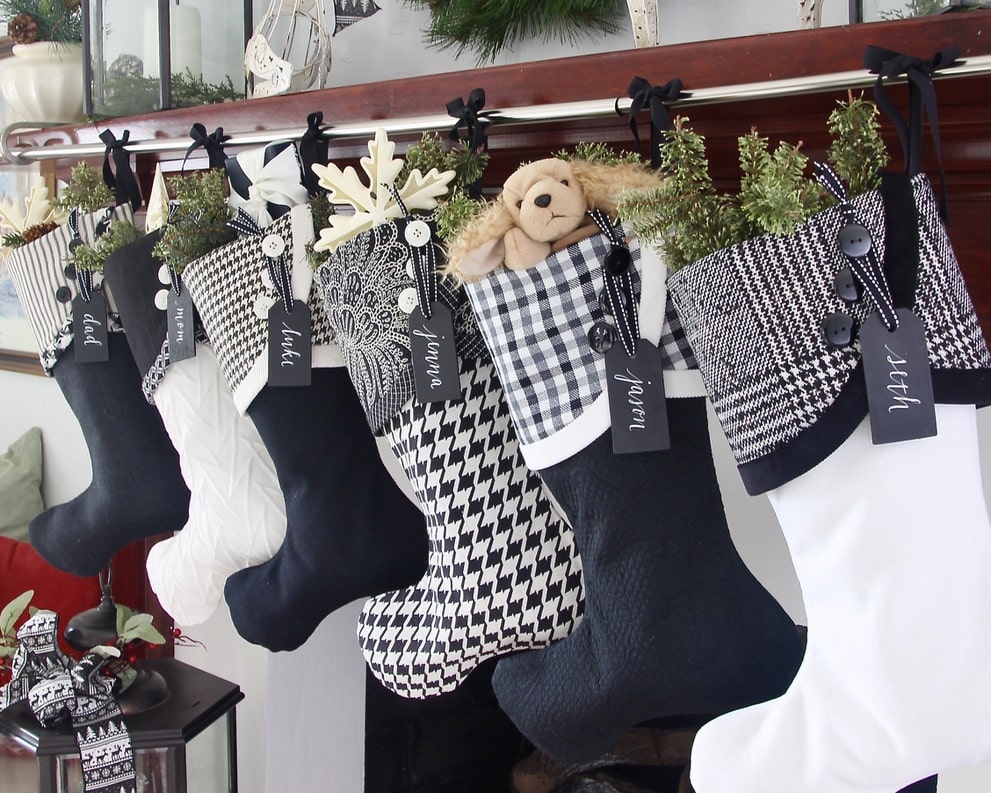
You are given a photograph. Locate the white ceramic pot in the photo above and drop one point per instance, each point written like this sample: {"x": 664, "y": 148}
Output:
{"x": 44, "y": 82}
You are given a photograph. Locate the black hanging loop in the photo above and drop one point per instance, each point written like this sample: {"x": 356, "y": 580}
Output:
{"x": 424, "y": 260}
{"x": 279, "y": 267}
{"x": 655, "y": 99}
{"x": 864, "y": 262}
{"x": 84, "y": 278}
{"x": 213, "y": 144}
{"x": 123, "y": 183}
{"x": 466, "y": 114}
{"x": 617, "y": 276}
{"x": 313, "y": 149}
{"x": 922, "y": 102}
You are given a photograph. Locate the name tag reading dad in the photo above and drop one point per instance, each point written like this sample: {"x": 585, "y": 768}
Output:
{"x": 182, "y": 344}
{"x": 899, "y": 383}
{"x": 435, "y": 356}
{"x": 89, "y": 329}
{"x": 638, "y": 410}
{"x": 290, "y": 354}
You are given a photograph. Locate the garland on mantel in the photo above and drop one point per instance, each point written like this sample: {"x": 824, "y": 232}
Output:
{"x": 490, "y": 26}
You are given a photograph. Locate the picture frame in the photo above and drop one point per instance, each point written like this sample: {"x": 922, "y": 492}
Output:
{"x": 18, "y": 348}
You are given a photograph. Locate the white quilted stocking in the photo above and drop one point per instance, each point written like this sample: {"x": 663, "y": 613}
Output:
{"x": 892, "y": 548}
{"x": 237, "y": 515}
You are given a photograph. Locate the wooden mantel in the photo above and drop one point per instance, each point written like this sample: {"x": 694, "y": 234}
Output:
{"x": 964, "y": 110}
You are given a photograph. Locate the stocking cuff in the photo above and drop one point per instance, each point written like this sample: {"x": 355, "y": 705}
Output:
{"x": 535, "y": 323}
{"x": 38, "y": 270}
{"x": 232, "y": 293}
{"x": 754, "y": 312}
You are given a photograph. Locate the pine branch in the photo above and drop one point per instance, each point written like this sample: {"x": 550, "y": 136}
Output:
{"x": 86, "y": 191}
{"x": 857, "y": 153}
{"x": 200, "y": 222}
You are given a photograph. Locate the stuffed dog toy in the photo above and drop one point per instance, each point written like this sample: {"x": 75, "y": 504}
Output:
{"x": 543, "y": 208}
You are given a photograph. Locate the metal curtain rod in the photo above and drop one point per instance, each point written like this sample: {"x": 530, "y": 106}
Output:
{"x": 596, "y": 108}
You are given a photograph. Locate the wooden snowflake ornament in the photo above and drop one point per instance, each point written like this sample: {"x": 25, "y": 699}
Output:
{"x": 374, "y": 203}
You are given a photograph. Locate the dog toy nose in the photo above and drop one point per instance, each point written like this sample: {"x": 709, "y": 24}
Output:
{"x": 543, "y": 201}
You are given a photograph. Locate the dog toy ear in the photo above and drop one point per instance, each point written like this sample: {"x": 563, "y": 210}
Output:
{"x": 482, "y": 260}
{"x": 522, "y": 252}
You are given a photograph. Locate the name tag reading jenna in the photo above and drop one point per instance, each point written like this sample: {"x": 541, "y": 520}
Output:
{"x": 435, "y": 356}
{"x": 89, "y": 329}
{"x": 182, "y": 344}
{"x": 637, "y": 408}
{"x": 290, "y": 352}
{"x": 899, "y": 382}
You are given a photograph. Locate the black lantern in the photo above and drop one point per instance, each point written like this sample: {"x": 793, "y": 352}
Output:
{"x": 144, "y": 55}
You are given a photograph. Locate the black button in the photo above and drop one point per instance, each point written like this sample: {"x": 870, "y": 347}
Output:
{"x": 838, "y": 329}
{"x": 847, "y": 286}
{"x": 63, "y": 294}
{"x": 74, "y": 243}
{"x": 70, "y": 271}
{"x": 618, "y": 260}
{"x": 855, "y": 240}
{"x": 604, "y": 304}
{"x": 601, "y": 337}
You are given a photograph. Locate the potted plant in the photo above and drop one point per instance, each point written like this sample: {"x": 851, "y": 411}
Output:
{"x": 45, "y": 80}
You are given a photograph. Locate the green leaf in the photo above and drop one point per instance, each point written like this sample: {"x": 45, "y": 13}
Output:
{"x": 13, "y": 611}
{"x": 7, "y": 651}
{"x": 124, "y": 613}
{"x": 139, "y": 626}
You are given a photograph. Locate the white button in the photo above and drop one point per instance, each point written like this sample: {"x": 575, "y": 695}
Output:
{"x": 163, "y": 275}
{"x": 409, "y": 269}
{"x": 162, "y": 299}
{"x": 273, "y": 245}
{"x": 267, "y": 280}
{"x": 408, "y": 300}
{"x": 262, "y": 305}
{"x": 417, "y": 233}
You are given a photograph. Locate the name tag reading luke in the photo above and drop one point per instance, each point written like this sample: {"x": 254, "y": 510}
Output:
{"x": 290, "y": 354}
{"x": 435, "y": 356}
{"x": 89, "y": 329}
{"x": 899, "y": 383}
{"x": 182, "y": 344}
{"x": 638, "y": 410}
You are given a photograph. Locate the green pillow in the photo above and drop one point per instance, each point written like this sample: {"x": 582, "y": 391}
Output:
{"x": 20, "y": 485}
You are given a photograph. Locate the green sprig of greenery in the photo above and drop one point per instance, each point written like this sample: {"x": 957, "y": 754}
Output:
{"x": 432, "y": 152}
{"x": 688, "y": 220}
{"x": 200, "y": 222}
{"x": 59, "y": 21}
{"x": 130, "y": 94}
{"x": 93, "y": 257}
{"x": 599, "y": 153}
{"x": 86, "y": 191}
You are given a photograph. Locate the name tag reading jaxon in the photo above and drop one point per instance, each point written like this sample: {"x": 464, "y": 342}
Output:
{"x": 899, "y": 383}
{"x": 182, "y": 344}
{"x": 89, "y": 329}
{"x": 290, "y": 354}
{"x": 637, "y": 408}
{"x": 435, "y": 356}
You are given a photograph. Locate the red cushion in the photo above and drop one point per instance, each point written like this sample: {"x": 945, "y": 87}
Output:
{"x": 21, "y": 568}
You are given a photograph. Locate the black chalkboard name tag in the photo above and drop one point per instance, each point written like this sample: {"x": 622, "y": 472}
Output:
{"x": 290, "y": 352}
{"x": 89, "y": 328}
{"x": 182, "y": 344}
{"x": 435, "y": 356}
{"x": 637, "y": 405}
{"x": 899, "y": 381}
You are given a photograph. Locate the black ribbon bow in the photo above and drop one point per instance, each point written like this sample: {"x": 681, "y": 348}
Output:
{"x": 466, "y": 114}
{"x": 313, "y": 148}
{"x": 922, "y": 102}
{"x": 213, "y": 144}
{"x": 123, "y": 183}
{"x": 655, "y": 99}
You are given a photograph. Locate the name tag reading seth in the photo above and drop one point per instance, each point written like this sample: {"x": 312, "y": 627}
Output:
{"x": 899, "y": 382}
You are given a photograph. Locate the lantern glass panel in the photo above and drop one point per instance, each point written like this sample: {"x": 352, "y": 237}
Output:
{"x": 154, "y": 771}
{"x": 205, "y": 57}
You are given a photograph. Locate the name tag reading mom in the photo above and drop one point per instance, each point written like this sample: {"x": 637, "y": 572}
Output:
{"x": 899, "y": 383}
{"x": 637, "y": 408}
{"x": 89, "y": 329}
{"x": 182, "y": 344}
{"x": 435, "y": 356}
{"x": 290, "y": 353}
